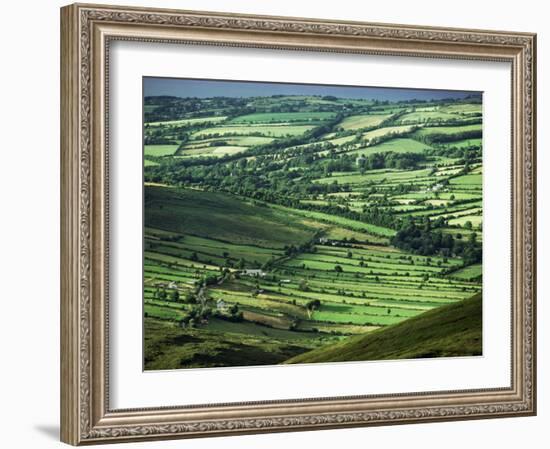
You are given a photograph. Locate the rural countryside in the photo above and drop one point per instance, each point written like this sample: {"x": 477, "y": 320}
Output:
{"x": 289, "y": 223}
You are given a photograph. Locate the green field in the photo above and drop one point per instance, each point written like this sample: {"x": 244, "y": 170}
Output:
{"x": 363, "y": 121}
{"x": 190, "y": 121}
{"x": 283, "y": 117}
{"x": 375, "y": 176}
{"x": 468, "y": 273}
{"x": 212, "y": 151}
{"x": 160, "y": 150}
{"x": 465, "y": 143}
{"x": 305, "y": 228}
{"x": 382, "y": 132}
{"x": 396, "y": 145}
{"x": 253, "y": 130}
{"x": 426, "y": 117}
{"x": 467, "y": 180}
{"x": 447, "y": 130}
{"x": 462, "y": 108}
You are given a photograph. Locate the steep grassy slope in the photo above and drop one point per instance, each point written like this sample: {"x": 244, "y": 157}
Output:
{"x": 451, "y": 330}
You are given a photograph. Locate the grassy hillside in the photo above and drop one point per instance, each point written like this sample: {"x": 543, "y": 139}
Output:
{"x": 168, "y": 346}
{"x": 222, "y": 217}
{"x": 451, "y": 330}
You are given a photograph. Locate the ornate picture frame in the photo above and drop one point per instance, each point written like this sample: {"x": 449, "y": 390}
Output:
{"x": 87, "y": 32}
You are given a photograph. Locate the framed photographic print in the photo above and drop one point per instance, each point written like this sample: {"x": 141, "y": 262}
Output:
{"x": 280, "y": 224}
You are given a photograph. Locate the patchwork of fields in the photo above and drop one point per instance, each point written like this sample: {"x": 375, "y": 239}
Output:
{"x": 280, "y": 225}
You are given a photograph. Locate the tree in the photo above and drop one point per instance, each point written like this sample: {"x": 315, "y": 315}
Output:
{"x": 303, "y": 286}
{"x": 175, "y": 295}
{"x": 338, "y": 269}
{"x": 190, "y": 298}
{"x": 210, "y": 280}
{"x": 313, "y": 305}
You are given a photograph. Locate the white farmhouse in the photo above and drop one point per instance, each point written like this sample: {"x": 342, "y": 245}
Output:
{"x": 254, "y": 272}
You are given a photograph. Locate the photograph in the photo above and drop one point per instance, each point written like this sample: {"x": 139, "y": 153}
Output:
{"x": 304, "y": 223}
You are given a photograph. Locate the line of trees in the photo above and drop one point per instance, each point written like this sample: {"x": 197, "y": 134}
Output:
{"x": 401, "y": 161}
{"x": 446, "y": 137}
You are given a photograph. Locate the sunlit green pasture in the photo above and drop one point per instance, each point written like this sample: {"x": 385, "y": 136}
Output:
{"x": 189, "y": 121}
{"x": 283, "y": 117}
{"x": 363, "y": 121}
{"x": 160, "y": 150}
{"x": 260, "y": 130}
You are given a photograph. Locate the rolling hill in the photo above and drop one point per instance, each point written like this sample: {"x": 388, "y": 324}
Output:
{"x": 223, "y": 217}
{"x": 451, "y": 330}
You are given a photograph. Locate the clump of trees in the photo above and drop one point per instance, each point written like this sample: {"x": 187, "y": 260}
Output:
{"x": 390, "y": 159}
{"x": 312, "y": 305}
{"x": 423, "y": 240}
